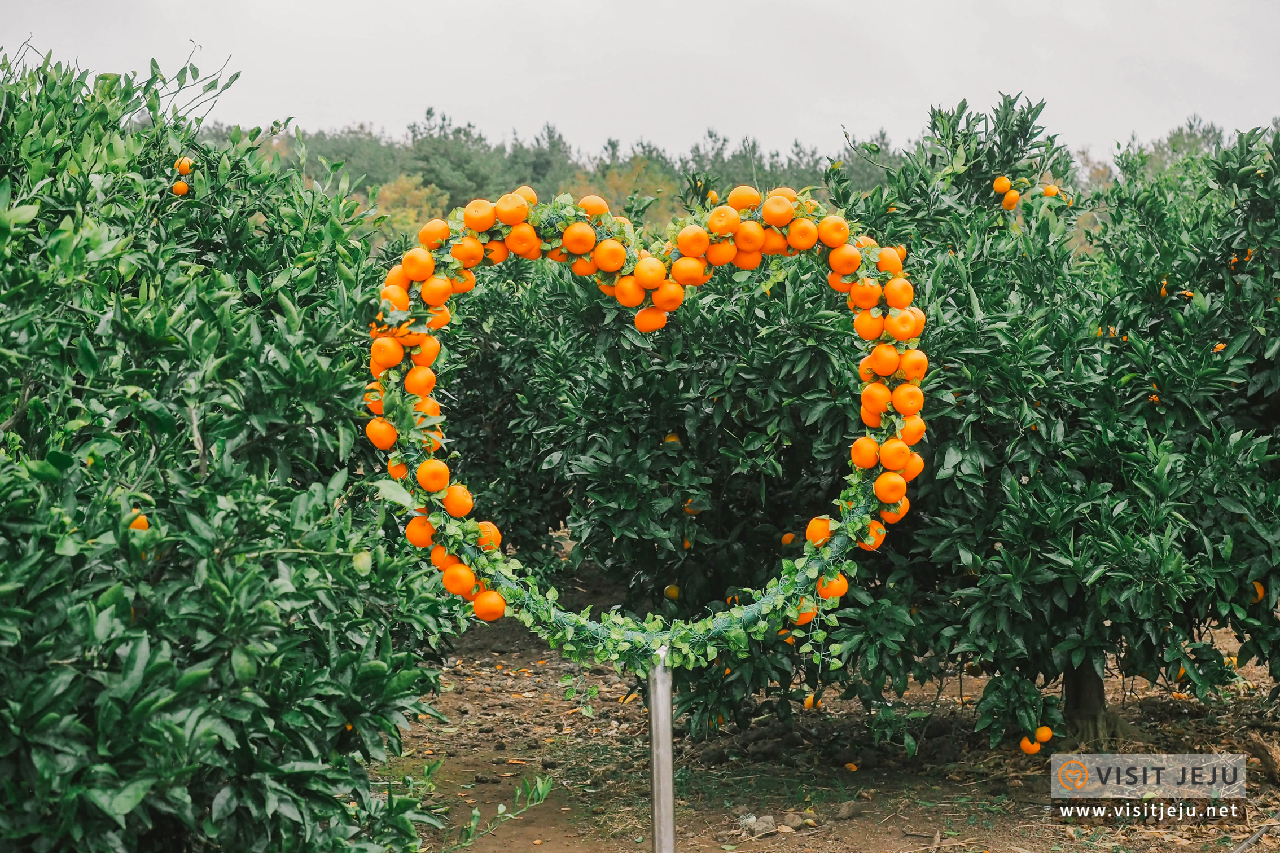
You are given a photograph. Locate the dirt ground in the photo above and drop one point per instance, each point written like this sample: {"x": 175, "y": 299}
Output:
{"x": 508, "y": 720}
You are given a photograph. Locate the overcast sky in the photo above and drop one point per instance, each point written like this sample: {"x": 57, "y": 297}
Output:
{"x": 666, "y": 71}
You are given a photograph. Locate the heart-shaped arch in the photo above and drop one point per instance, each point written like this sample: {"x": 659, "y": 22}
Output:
{"x": 748, "y": 234}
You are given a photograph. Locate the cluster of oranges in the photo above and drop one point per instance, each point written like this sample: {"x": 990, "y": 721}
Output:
{"x": 183, "y": 167}
{"x": 1009, "y": 197}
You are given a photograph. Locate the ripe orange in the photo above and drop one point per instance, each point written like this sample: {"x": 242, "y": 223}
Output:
{"x": 139, "y": 523}
{"x": 908, "y": 399}
{"x": 387, "y": 352}
{"x": 747, "y": 260}
{"x": 396, "y": 276}
{"x": 628, "y": 292}
{"x": 397, "y": 470}
{"x": 788, "y": 538}
{"x": 915, "y": 312}
{"x": 1010, "y": 200}
{"x": 606, "y": 289}
{"x": 865, "y": 452}
{"x": 459, "y": 579}
{"x": 912, "y": 429}
{"x": 373, "y": 397}
{"x": 750, "y": 237}
{"x": 593, "y": 205}
{"x": 511, "y": 209}
{"x": 778, "y": 211}
{"x": 523, "y": 238}
{"x": 900, "y": 326}
{"x": 802, "y": 234}
{"x": 818, "y": 531}
{"x": 833, "y": 231}
{"x": 396, "y": 295}
{"x": 1001, "y": 185}
{"x": 894, "y": 454}
{"x": 785, "y": 192}
{"x": 743, "y": 198}
{"x": 688, "y": 271}
{"x": 1051, "y": 190}
{"x": 489, "y": 606}
{"x": 876, "y": 397}
{"x": 183, "y": 165}
{"x": 837, "y": 282}
{"x": 692, "y": 241}
{"x": 870, "y": 418}
{"x": 1259, "y": 592}
{"x": 610, "y": 255}
{"x": 457, "y": 500}
{"x": 887, "y": 260}
{"x": 914, "y": 466}
{"x": 688, "y": 508}
{"x": 834, "y": 588}
{"x": 1029, "y": 746}
{"x": 868, "y": 326}
{"x": 913, "y": 364}
{"x": 434, "y": 233}
{"x": 884, "y": 359}
{"x": 429, "y": 349}
{"x": 877, "y": 531}
{"x": 465, "y": 280}
{"x": 442, "y": 559}
{"x": 527, "y": 194}
{"x": 469, "y": 251}
{"x": 898, "y": 293}
{"x": 180, "y": 188}
{"x": 845, "y": 259}
{"x": 865, "y": 293}
{"x": 1044, "y": 734}
{"x": 579, "y": 238}
{"x": 902, "y": 252}
{"x": 723, "y": 220}
{"x": 490, "y": 538}
{"x": 865, "y": 373}
{"x": 650, "y": 272}
{"x": 584, "y": 267}
{"x": 650, "y": 319}
{"x": 381, "y": 433}
{"x": 496, "y": 252}
{"x": 719, "y": 254}
{"x": 420, "y": 381}
{"x": 419, "y": 531}
{"x": 479, "y": 215}
{"x": 433, "y": 475}
{"x": 668, "y": 296}
{"x": 806, "y": 612}
{"x": 891, "y": 517}
{"x": 865, "y": 242}
{"x": 890, "y": 487}
{"x": 418, "y": 264}
{"x": 436, "y": 291}
{"x": 775, "y": 243}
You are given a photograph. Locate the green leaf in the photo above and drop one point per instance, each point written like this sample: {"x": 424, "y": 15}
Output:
{"x": 390, "y": 490}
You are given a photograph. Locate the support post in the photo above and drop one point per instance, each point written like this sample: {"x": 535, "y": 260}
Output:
{"x": 664, "y": 788}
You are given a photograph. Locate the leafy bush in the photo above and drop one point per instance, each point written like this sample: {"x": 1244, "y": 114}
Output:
{"x": 216, "y": 676}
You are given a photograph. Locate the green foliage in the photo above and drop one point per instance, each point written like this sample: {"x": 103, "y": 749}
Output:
{"x": 219, "y": 679}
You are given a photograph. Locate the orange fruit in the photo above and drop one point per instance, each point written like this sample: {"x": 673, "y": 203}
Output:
{"x": 688, "y": 271}
{"x": 865, "y": 453}
{"x": 870, "y": 418}
{"x": 373, "y": 397}
{"x": 750, "y": 237}
{"x": 511, "y": 209}
{"x": 775, "y": 243}
{"x": 688, "y": 508}
{"x": 434, "y": 233}
{"x": 418, "y": 264}
{"x": 479, "y": 215}
{"x": 396, "y": 276}
{"x": 777, "y": 211}
{"x": 723, "y": 220}
{"x": 650, "y": 319}
{"x": 429, "y": 349}
{"x": 890, "y": 486}
{"x": 833, "y": 231}
{"x": 579, "y": 238}
{"x": 650, "y": 272}
{"x": 865, "y": 373}
{"x": 183, "y": 165}
{"x": 785, "y": 192}
{"x": 806, "y": 612}
{"x": 818, "y": 531}
{"x": 1029, "y": 746}
{"x": 884, "y": 359}
{"x": 628, "y": 292}
{"x": 692, "y": 241}
{"x": 1001, "y": 184}
{"x": 891, "y": 517}
{"x": 912, "y": 429}
{"x": 1010, "y": 200}
{"x": 459, "y": 579}
{"x": 469, "y": 251}
{"x": 877, "y": 531}
{"x": 180, "y": 188}
{"x": 834, "y": 588}
{"x": 527, "y": 194}
{"x": 1051, "y": 190}
{"x": 865, "y": 293}
{"x": 457, "y": 500}
{"x": 915, "y": 312}
{"x": 845, "y": 259}
{"x": 489, "y": 606}
{"x": 490, "y": 538}
{"x": 387, "y": 352}
{"x": 865, "y": 242}
{"x": 668, "y": 296}
{"x": 837, "y": 282}
{"x": 139, "y": 523}
{"x": 908, "y": 399}
{"x": 584, "y": 267}
{"x": 914, "y": 466}
{"x": 442, "y": 559}
{"x": 868, "y": 326}
{"x": 876, "y": 397}
{"x": 900, "y": 326}
{"x": 522, "y": 238}
{"x": 496, "y": 251}
{"x": 397, "y": 296}
{"x": 898, "y": 292}
{"x": 894, "y": 454}
{"x": 433, "y": 475}
{"x": 465, "y": 280}
{"x": 610, "y": 255}
{"x": 420, "y": 381}
{"x": 788, "y": 538}
{"x": 419, "y": 531}
{"x": 743, "y": 198}
{"x": 887, "y": 260}
{"x": 747, "y": 260}
{"x": 1044, "y": 734}
{"x": 436, "y": 291}
{"x": 913, "y": 364}
{"x": 802, "y": 234}
{"x": 428, "y": 407}
{"x": 381, "y": 433}
{"x": 593, "y": 205}
{"x": 719, "y": 254}
{"x": 606, "y": 289}
{"x": 397, "y": 470}
{"x": 902, "y": 252}
{"x": 1259, "y": 592}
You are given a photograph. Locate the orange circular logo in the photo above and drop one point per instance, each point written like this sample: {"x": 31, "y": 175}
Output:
{"x": 1074, "y": 775}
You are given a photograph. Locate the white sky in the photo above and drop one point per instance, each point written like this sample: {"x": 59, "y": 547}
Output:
{"x": 666, "y": 70}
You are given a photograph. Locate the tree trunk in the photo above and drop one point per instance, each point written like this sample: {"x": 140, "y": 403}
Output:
{"x": 1085, "y": 709}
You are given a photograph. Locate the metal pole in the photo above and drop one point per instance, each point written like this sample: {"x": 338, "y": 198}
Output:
{"x": 664, "y": 787}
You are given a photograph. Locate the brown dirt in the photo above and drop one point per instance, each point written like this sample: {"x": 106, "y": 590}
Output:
{"x": 508, "y": 720}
